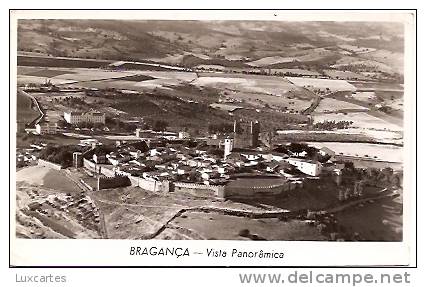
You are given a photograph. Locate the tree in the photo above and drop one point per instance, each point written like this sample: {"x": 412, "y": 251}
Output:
{"x": 160, "y": 125}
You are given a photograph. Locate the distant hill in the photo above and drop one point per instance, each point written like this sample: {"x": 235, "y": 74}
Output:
{"x": 191, "y": 43}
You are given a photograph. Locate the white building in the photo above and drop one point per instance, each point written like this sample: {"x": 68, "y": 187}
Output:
{"x": 308, "y": 167}
{"x": 84, "y": 117}
{"x": 228, "y": 145}
{"x": 183, "y": 135}
{"x": 46, "y": 128}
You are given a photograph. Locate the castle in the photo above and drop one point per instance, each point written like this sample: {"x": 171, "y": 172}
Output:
{"x": 246, "y": 135}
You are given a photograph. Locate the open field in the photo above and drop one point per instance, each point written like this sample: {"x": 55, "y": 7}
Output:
{"x": 226, "y": 227}
{"x": 395, "y": 60}
{"x": 39, "y": 72}
{"x": 24, "y": 80}
{"x": 333, "y": 105}
{"x": 44, "y": 61}
{"x": 246, "y": 83}
{"x": 377, "y": 86}
{"x": 295, "y": 71}
{"x": 356, "y": 49}
{"x": 360, "y": 120}
{"x": 343, "y": 135}
{"x": 344, "y": 75}
{"x": 24, "y": 140}
{"x": 93, "y": 75}
{"x": 47, "y": 178}
{"x": 323, "y": 84}
{"x": 271, "y": 60}
{"x": 380, "y": 152}
{"x": 364, "y": 64}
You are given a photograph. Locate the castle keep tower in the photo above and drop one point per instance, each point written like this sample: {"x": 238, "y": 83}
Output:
{"x": 246, "y": 135}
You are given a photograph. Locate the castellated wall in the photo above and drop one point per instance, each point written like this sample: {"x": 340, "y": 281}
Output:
{"x": 198, "y": 189}
{"x": 105, "y": 182}
{"x": 150, "y": 184}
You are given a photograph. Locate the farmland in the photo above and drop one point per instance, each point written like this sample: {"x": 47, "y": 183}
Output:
{"x": 323, "y": 84}
{"x": 389, "y": 153}
{"x": 332, "y": 105}
{"x": 360, "y": 120}
{"x": 42, "y": 61}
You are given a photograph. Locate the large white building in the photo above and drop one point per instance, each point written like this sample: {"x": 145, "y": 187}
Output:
{"x": 46, "y": 128}
{"x": 308, "y": 167}
{"x": 84, "y": 117}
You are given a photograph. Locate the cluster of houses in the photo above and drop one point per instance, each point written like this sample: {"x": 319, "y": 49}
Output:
{"x": 163, "y": 158}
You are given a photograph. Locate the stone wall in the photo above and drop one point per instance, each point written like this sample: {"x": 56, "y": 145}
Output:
{"x": 198, "y": 189}
{"x": 105, "y": 182}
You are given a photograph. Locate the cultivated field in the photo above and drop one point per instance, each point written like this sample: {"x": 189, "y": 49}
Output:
{"x": 332, "y": 105}
{"x": 323, "y": 84}
{"x": 296, "y": 71}
{"x": 356, "y": 49}
{"x": 270, "y": 61}
{"x": 24, "y": 80}
{"x": 360, "y": 119}
{"x": 245, "y": 83}
{"x": 344, "y": 75}
{"x": 381, "y": 152}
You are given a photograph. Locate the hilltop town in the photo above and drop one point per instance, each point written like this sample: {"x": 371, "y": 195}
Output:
{"x": 259, "y": 148}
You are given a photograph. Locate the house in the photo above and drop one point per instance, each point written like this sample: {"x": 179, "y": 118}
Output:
{"x": 274, "y": 156}
{"x": 300, "y": 154}
{"x": 116, "y": 158}
{"x": 46, "y": 128}
{"x": 251, "y": 155}
{"x": 100, "y": 158}
{"x": 91, "y": 116}
{"x": 306, "y": 166}
{"x": 183, "y": 135}
{"x": 183, "y": 169}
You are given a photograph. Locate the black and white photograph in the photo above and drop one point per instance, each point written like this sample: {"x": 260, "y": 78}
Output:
{"x": 242, "y": 130}
{"x": 208, "y": 129}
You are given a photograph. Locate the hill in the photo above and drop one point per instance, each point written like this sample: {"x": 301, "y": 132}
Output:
{"x": 192, "y": 43}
